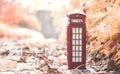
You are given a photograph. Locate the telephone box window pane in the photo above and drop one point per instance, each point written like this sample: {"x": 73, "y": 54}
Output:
{"x": 77, "y": 59}
{"x": 77, "y": 36}
{"x": 73, "y": 59}
{"x": 80, "y": 30}
{"x": 73, "y": 42}
{"x": 77, "y": 30}
{"x": 80, "y": 59}
{"x": 77, "y": 42}
{"x": 73, "y": 36}
{"x": 73, "y": 30}
{"x": 73, "y": 53}
{"x": 80, "y": 54}
{"x": 80, "y": 42}
{"x": 80, "y": 36}
{"x": 80, "y": 48}
{"x": 77, "y": 53}
{"x": 77, "y": 48}
{"x": 73, "y": 47}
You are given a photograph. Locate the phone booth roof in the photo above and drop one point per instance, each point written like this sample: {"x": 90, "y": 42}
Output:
{"x": 77, "y": 15}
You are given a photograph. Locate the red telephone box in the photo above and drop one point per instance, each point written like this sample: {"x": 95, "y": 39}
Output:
{"x": 76, "y": 41}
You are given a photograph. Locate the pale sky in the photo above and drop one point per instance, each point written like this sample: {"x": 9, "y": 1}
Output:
{"x": 44, "y": 4}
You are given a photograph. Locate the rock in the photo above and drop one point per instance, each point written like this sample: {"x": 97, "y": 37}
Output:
{"x": 7, "y": 72}
{"x": 25, "y": 72}
{"x": 23, "y": 66}
{"x": 40, "y": 72}
{"x": 64, "y": 69}
{"x": 15, "y": 58}
{"x": 102, "y": 72}
{"x": 6, "y": 65}
{"x": 62, "y": 59}
{"x": 4, "y": 52}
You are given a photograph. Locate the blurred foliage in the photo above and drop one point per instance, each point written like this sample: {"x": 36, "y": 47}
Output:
{"x": 12, "y": 16}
